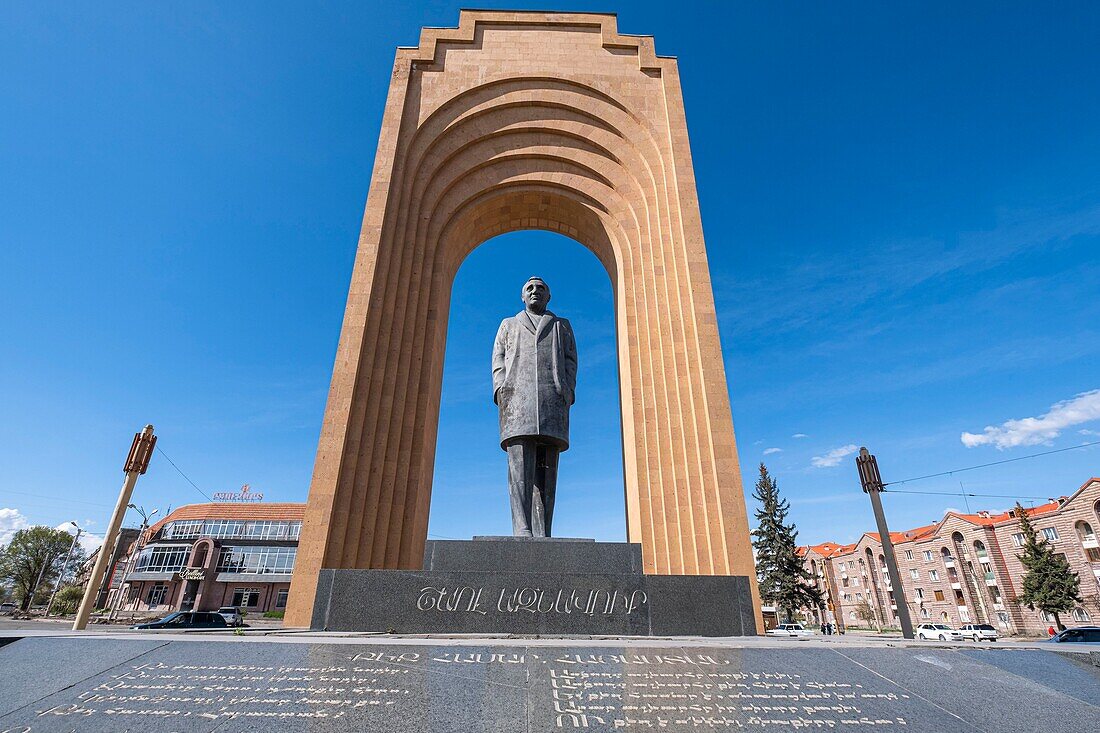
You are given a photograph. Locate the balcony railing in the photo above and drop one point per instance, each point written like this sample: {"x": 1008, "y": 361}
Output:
{"x": 1089, "y": 542}
{"x": 948, "y": 561}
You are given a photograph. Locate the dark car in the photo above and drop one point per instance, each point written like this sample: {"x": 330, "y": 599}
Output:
{"x": 1079, "y": 635}
{"x": 182, "y": 620}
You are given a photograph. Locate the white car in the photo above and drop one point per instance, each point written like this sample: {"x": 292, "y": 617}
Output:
{"x": 979, "y": 632}
{"x": 941, "y": 632}
{"x": 790, "y": 630}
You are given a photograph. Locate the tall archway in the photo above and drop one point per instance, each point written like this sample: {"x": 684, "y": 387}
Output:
{"x": 528, "y": 120}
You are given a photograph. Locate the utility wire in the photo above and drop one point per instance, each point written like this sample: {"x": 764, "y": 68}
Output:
{"x": 181, "y": 473}
{"x": 965, "y": 494}
{"x": 987, "y": 465}
{"x": 66, "y": 500}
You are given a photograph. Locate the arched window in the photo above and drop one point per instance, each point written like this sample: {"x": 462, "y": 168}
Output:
{"x": 943, "y": 617}
{"x": 1084, "y": 532}
{"x": 1080, "y": 614}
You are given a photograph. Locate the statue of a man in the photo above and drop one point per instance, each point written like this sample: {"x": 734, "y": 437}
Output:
{"x": 534, "y": 378}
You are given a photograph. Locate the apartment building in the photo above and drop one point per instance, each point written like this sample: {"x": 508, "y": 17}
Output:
{"x": 963, "y": 568}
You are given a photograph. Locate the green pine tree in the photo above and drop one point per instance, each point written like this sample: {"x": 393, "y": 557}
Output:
{"x": 784, "y": 579}
{"x": 1048, "y": 584}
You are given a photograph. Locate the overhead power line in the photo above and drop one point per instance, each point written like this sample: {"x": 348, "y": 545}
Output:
{"x": 987, "y": 465}
{"x": 181, "y": 473}
{"x": 965, "y": 493}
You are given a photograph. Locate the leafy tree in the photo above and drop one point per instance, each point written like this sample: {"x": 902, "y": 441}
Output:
{"x": 1048, "y": 584}
{"x": 866, "y": 612}
{"x": 783, "y": 577}
{"x": 32, "y": 553}
{"x": 68, "y": 600}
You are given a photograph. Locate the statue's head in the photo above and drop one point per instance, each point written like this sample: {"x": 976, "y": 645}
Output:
{"x": 536, "y": 293}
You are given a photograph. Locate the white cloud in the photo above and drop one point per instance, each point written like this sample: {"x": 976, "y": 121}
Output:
{"x": 833, "y": 457}
{"x": 796, "y": 436}
{"x": 769, "y": 451}
{"x": 88, "y": 541}
{"x": 1082, "y": 408}
{"x": 1088, "y": 432}
{"x": 11, "y": 521}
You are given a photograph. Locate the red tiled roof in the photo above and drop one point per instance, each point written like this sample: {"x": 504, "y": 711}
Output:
{"x": 986, "y": 519}
{"x": 284, "y": 511}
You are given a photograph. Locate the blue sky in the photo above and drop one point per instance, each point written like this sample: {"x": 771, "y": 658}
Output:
{"x": 901, "y": 204}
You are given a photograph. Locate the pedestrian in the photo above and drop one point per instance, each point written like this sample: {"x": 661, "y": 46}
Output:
{"x": 1050, "y": 631}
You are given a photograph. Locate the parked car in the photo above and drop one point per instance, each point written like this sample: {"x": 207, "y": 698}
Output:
{"x": 979, "y": 632}
{"x": 181, "y": 620}
{"x": 1079, "y": 635}
{"x": 7, "y": 609}
{"x": 790, "y": 630}
{"x": 232, "y": 615}
{"x": 942, "y": 632}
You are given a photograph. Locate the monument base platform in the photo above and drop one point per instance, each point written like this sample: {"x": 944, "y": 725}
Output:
{"x": 202, "y": 683}
{"x": 542, "y": 587}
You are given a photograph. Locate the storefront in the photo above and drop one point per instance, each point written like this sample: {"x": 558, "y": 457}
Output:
{"x": 205, "y": 556}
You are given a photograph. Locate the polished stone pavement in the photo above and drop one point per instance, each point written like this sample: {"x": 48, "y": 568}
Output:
{"x": 56, "y": 681}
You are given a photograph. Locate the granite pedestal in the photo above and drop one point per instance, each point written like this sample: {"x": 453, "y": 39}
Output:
{"x": 533, "y": 586}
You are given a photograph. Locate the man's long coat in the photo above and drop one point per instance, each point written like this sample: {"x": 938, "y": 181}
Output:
{"x": 534, "y": 377}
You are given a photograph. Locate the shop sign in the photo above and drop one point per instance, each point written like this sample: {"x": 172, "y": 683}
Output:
{"x": 245, "y": 494}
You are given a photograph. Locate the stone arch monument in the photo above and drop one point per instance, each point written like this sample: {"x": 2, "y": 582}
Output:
{"x": 528, "y": 120}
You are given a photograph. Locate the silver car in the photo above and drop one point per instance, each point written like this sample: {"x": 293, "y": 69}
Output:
{"x": 232, "y": 615}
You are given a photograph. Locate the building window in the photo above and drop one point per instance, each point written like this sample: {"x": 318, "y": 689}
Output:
{"x": 859, "y": 596}
{"x": 851, "y": 565}
{"x": 908, "y": 554}
{"x": 855, "y": 581}
{"x": 157, "y": 594}
{"x": 925, "y": 613}
{"x": 162, "y": 559}
{"x": 914, "y": 574}
{"x": 1018, "y": 539}
{"x": 1050, "y": 533}
{"x": 920, "y": 594}
{"x": 938, "y": 595}
{"x": 933, "y": 574}
{"x": 281, "y": 596}
{"x": 927, "y": 556}
{"x": 844, "y": 582}
{"x": 1080, "y": 614}
{"x": 246, "y": 597}
{"x": 184, "y": 529}
{"x": 257, "y": 560}
{"x": 1092, "y": 554}
{"x": 851, "y": 615}
{"x": 1048, "y": 617}
{"x": 1002, "y": 619}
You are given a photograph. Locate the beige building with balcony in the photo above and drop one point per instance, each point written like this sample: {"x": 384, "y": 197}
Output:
{"x": 963, "y": 568}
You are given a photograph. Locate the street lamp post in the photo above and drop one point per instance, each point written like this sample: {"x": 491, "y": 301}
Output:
{"x": 872, "y": 484}
{"x": 64, "y": 567}
{"x": 38, "y": 580}
{"x": 137, "y": 463}
{"x": 131, "y": 557}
